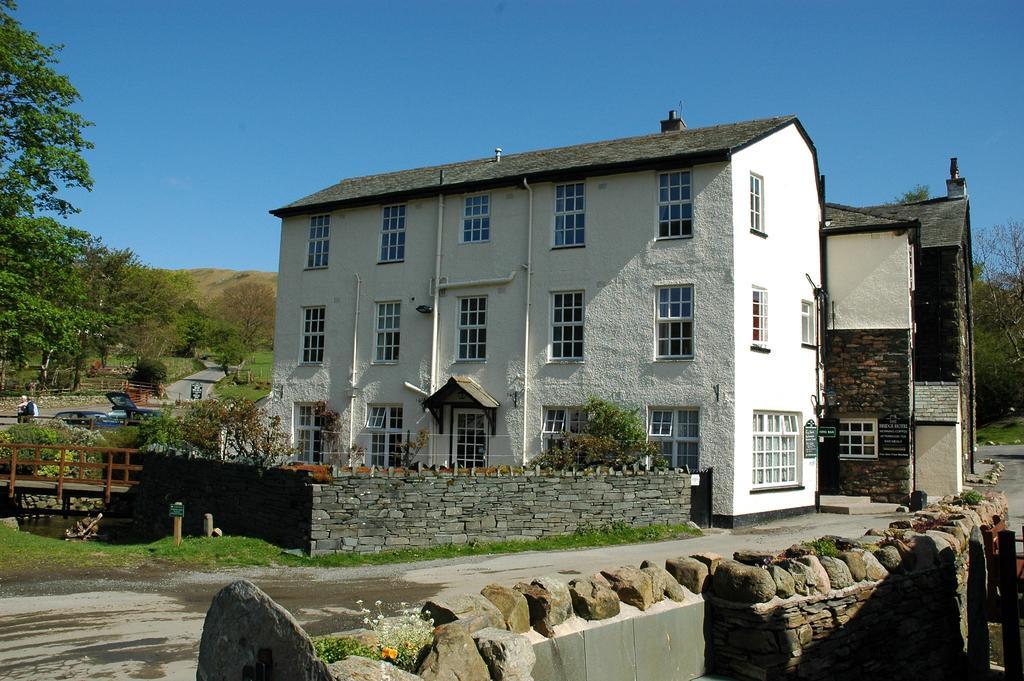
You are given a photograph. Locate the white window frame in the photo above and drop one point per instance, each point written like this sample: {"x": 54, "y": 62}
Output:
{"x": 387, "y": 331}
{"x": 570, "y": 215}
{"x": 319, "y": 242}
{"x": 757, "y": 203}
{"x": 392, "y": 233}
{"x": 314, "y": 336}
{"x": 471, "y": 335}
{"x": 667, "y": 313}
{"x": 567, "y": 326}
{"x": 759, "y": 318}
{"x": 558, "y": 421}
{"x": 675, "y": 205}
{"x": 385, "y": 423}
{"x": 308, "y": 433}
{"x": 677, "y": 431}
{"x": 858, "y": 438}
{"x": 775, "y": 449}
{"x": 808, "y": 328}
{"x": 476, "y": 219}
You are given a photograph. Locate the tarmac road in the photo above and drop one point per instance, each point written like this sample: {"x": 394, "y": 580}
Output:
{"x": 146, "y": 623}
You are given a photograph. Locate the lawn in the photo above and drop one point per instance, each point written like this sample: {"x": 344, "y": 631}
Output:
{"x": 20, "y": 551}
{"x": 1003, "y": 432}
{"x": 253, "y": 379}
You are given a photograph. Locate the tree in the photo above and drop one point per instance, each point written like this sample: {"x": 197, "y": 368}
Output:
{"x": 249, "y": 307}
{"x": 611, "y": 436}
{"x": 40, "y": 136}
{"x": 920, "y": 192}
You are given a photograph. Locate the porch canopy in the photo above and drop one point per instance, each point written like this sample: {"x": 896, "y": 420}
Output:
{"x": 462, "y": 391}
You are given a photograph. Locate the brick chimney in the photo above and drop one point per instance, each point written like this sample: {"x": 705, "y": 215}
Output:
{"x": 956, "y": 186}
{"x": 673, "y": 123}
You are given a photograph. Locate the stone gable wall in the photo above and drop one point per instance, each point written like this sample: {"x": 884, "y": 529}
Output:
{"x": 364, "y": 514}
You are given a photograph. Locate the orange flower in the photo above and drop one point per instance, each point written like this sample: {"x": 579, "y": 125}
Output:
{"x": 389, "y": 654}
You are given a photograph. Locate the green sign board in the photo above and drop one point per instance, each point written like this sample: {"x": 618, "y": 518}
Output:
{"x": 810, "y": 439}
{"x": 827, "y": 431}
{"x": 177, "y": 510}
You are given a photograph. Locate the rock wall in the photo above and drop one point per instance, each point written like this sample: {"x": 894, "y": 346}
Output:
{"x": 882, "y": 479}
{"x": 364, "y": 513}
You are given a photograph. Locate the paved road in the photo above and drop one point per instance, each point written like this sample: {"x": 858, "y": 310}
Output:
{"x": 182, "y": 390}
{"x": 1012, "y": 480}
{"x": 147, "y": 623}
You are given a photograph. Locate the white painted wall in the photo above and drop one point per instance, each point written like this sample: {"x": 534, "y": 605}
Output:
{"x": 783, "y": 380}
{"x": 869, "y": 280}
{"x": 619, "y": 270}
{"x": 939, "y": 460}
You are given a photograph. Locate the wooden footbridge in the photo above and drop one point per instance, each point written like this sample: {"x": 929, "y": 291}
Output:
{"x": 71, "y": 470}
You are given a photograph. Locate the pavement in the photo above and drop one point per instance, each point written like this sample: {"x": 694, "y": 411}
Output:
{"x": 181, "y": 391}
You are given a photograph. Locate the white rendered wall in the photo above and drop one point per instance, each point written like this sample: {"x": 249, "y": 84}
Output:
{"x": 869, "y": 280}
{"x": 783, "y": 380}
{"x": 938, "y": 458}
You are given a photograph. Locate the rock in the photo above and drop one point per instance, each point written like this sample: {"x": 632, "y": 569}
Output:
{"x": 900, "y": 525}
{"x": 633, "y": 586}
{"x": 592, "y": 600}
{"x": 902, "y": 509}
{"x": 453, "y": 656}
{"x": 665, "y": 585}
{"x": 241, "y": 621}
{"x": 839, "y": 576}
{"x": 926, "y": 552}
{"x": 690, "y": 572}
{"x": 473, "y": 610}
{"x": 873, "y": 569}
{"x": 785, "y": 586}
{"x": 876, "y": 532}
{"x": 809, "y": 576}
{"x": 751, "y": 557}
{"x": 855, "y": 563}
{"x": 890, "y": 558}
{"x": 508, "y": 656}
{"x": 948, "y": 538}
{"x": 357, "y": 668}
{"x": 710, "y": 559}
{"x": 741, "y": 583}
{"x": 511, "y": 604}
{"x": 10, "y": 522}
{"x": 366, "y": 637}
{"x": 549, "y": 601}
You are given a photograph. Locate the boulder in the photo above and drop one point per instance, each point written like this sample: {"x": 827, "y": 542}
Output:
{"x": 839, "y": 576}
{"x": 854, "y": 560}
{"x": 453, "y": 656}
{"x": 473, "y": 610}
{"x": 242, "y": 621}
{"x": 710, "y": 559}
{"x": 873, "y": 569}
{"x": 785, "y": 586}
{"x": 925, "y": 550}
{"x": 10, "y": 522}
{"x": 357, "y": 668}
{"x": 366, "y": 637}
{"x": 549, "y": 602}
{"x": 741, "y": 583}
{"x": 821, "y": 580}
{"x": 633, "y": 586}
{"x": 949, "y": 539}
{"x": 512, "y": 606}
{"x": 752, "y": 557}
{"x": 689, "y": 572}
{"x": 890, "y": 558}
{"x": 593, "y": 600}
{"x": 809, "y": 576}
{"x": 508, "y": 656}
{"x": 665, "y": 585}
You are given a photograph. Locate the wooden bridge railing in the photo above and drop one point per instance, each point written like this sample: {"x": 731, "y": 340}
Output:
{"x": 100, "y": 467}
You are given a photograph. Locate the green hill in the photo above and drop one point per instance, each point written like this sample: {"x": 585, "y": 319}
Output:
{"x": 211, "y": 282}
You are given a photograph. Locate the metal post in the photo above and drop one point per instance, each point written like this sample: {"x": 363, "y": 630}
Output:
{"x": 1009, "y": 610}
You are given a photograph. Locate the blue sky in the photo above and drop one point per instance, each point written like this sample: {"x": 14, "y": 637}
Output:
{"x": 208, "y": 114}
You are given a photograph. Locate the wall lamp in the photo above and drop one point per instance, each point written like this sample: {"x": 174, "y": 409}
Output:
{"x": 425, "y": 309}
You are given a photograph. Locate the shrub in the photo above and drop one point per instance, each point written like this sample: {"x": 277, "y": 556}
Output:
{"x": 825, "y": 546}
{"x": 52, "y": 433}
{"x": 150, "y": 370}
{"x": 611, "y": 436}
{"x": 236, "y": 430}
{"x": 124, "y": 437}
{"x": 971, "y": 497}
{"x": 402, "y": 638}
{"x": 333, "y": 649}
{"x": 164, "y": 429}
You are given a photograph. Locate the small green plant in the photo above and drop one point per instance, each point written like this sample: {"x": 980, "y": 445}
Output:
{"x": 823, "y": 547}
{"x": 402, "y": 638}
{"x": 150, "y": 370}
{"x": 971, "y": 497}
{"x": 333, "y": 649}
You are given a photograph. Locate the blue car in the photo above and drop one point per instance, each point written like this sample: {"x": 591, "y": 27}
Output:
{"x": 88, "y": 419}
{"x": 126, "y": 410}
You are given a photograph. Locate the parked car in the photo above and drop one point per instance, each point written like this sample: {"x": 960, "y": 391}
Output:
{"x": 88, "y": 419}
{"x": 126, "y": 410}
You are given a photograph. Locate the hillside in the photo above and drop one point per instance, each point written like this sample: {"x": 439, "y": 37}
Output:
{"x": 211, "y": 282}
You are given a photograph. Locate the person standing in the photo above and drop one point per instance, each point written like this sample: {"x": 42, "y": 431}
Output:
{"x": 24, "y": 412}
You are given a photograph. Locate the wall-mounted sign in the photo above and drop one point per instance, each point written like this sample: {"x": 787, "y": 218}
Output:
{"x": 827, "y": 432}
{"x": 894, "y": 435}
{"x": 810, "y": 439}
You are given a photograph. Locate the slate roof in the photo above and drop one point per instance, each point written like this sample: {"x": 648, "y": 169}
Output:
{"x": 937, "y": 402}
{"x": 714, "y": 141}
{"x": 467, "y": 385}
{"x": 942, "y": 220}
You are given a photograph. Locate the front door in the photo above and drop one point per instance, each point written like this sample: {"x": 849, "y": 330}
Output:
{"x": 470, "y": 438}
{"x": 828, "y": 456}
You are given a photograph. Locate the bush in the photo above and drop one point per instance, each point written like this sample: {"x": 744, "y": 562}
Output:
{"x": 150, "y": 370}
{"x": 126, "y": 437}
{"x": 611, "y": 436}
{"x": 971, "y": 497}
{"x": 823, "y": 547}
{"x": 236, "y": 430}
{"x": 164, "y": 430}
{"x": 52, "y": 433}
{"x": 332, "y": 649}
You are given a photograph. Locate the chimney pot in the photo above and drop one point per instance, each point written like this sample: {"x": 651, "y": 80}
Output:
{"x": 673, "y": 123}
{"x": 497, "y": 154}
{"x": 956, "y": 186}
{"x": 954, "y": 168}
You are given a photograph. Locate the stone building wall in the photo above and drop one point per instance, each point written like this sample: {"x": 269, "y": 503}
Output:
{"x": 365, "y": 514}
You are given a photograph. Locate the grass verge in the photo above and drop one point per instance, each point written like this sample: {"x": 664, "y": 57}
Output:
{"x": 23, "y": 551}
{"x": 1002, "y": 432}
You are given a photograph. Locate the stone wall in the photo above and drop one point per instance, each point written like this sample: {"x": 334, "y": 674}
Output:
{"x": 275, "y": 505}
{"x": 882, "y": 479}
{"x": 364, "y": 513}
